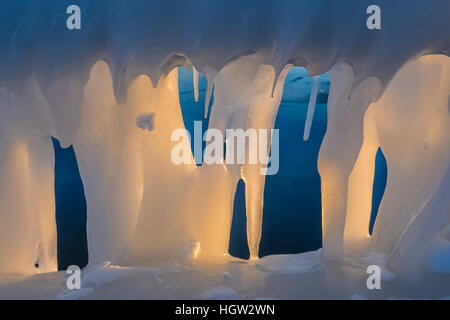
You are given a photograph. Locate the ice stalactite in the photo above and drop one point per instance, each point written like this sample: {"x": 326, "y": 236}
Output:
{"x": 311, "y": 108}
{"x": 27, "y": 202}
{"x": 243, "y": 100}
{"x": 195, "y": 81}
{"x": 340, "y": 148}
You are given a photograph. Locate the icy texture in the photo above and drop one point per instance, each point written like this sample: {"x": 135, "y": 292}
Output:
{"x": 98, "y": 87}
{"x": 243, "y": 99}
{"x": 299, "y": 276}
{"x": 137, "y": 38}
{"x": 130, "y": 200}
{"x": 411, "y": 124}
{"x": 340, "y": 149}
{"x": 292, "y": 263}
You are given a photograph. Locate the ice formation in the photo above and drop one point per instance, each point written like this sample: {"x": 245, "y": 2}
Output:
{"x": 311, "y": 108}
{"x": 195, "y": 81}
{"x": 98, "y": 87}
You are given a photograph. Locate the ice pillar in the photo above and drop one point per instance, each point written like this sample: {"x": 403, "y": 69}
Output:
{"x": 27, "y": 203}
{"x": 243, "y": 100}
{"x": 340, "y": 149}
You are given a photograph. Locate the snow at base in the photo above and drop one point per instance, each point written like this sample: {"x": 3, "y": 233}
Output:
{"x": 296, "y": 276}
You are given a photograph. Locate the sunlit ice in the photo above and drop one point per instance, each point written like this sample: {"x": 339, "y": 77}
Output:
{"x": 214, "y": 150}
{"x": 235, "y": 143}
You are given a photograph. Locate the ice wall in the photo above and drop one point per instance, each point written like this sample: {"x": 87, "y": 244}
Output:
{"x": 91, "y": 87}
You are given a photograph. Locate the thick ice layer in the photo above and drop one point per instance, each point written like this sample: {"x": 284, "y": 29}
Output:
{"x": 137, "y": 38}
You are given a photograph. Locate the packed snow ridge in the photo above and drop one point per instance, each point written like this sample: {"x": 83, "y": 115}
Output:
{"x": 96, "y": 89}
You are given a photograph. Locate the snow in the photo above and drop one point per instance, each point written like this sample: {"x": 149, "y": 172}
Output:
{"x": 145, "y": 121}
{"x": 298, "y": 276}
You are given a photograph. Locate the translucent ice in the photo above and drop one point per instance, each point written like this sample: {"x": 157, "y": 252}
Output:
{"x": 97, "y": 87}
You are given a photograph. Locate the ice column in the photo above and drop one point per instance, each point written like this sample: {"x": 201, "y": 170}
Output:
{"x": 242, "y": 100}
{"x": 340, "y": 149}
{"x": 410, "y": 122}
{"x": 413, "y": 126}
{"x": 27, "y": 204}
{"x": 107, "y": 150}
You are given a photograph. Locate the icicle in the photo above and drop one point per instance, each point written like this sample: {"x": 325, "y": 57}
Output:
{"x": 275, "y": 79}
{"x": 195, "y": 80}
{"x": 208, "y": 95}
{"x": 311, "y": 108}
